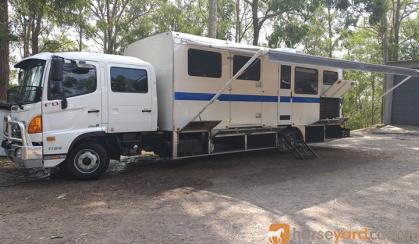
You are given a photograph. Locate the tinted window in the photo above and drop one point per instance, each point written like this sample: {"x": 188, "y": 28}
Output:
{"x": 285, "y": 77}
{"x": 306, "y": 81}
{"x": 251, "y": 73}
{"x": 76, "y": 81}
{"x": 204, "y": 63}
{"x": 129, "y": 80}
{"x": 329, "y": 77}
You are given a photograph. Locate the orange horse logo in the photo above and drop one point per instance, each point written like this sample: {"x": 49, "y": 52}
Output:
{"x": 279, "y": 233}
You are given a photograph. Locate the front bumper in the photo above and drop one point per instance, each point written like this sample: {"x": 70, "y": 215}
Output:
{"x": 24, "y": 156}
{"x": 19, "y": 148}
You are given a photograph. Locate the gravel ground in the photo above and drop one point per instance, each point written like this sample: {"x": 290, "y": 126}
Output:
{"x": 369, "y": 180}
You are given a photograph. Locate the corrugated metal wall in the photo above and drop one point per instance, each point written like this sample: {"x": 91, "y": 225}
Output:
{"x": 405, "y": 105}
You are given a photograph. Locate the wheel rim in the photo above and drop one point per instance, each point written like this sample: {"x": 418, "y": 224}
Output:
{"x": 87, "y": 161}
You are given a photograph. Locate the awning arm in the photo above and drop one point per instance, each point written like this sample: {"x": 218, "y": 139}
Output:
{"x": 259, "y": 53}
{"x": 394, "y": 87}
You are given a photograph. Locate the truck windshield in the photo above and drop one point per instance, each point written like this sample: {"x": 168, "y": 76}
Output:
{"x": 29, "y": 87}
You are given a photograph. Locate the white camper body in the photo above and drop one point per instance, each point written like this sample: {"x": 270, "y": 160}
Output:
{"x": 179, "y": 95}
{"x": 246, "y": 103}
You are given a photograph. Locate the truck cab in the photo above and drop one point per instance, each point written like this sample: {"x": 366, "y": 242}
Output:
{"x": 79, "y": 110}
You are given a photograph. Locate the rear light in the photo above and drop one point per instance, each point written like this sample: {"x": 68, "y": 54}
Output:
{"x": 35, "y": 126}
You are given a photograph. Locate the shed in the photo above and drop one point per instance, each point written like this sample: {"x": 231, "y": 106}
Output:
{"x": 401, "y": 106}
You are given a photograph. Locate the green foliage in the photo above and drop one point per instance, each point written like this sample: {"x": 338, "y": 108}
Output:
{"x": 362, "y": 104}
{"x": 226, "y": 10}
{"x": 181, "y": 16}
{"x": 290, "y": 34}
{"x": 59, "y": 43}
{"x": 409, "y": 46}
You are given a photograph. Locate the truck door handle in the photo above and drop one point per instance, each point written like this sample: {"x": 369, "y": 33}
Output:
{"x": 146, "y": 110}
{"x": 93, "y": 111}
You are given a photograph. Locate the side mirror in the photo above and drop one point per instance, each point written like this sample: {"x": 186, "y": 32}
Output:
{"x": 57, "y": 76}
{"x": 57, "y": 68}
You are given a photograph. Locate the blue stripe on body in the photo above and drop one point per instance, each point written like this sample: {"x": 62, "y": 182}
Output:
{"x": 194, "y": 96}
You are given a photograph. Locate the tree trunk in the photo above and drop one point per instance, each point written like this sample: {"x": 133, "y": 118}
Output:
{"x": 385, "y": 40}
{"x": 25, "y": 37}
{"x": 212, "y": 20}
{"x": 35, "y": 34}
{"x": 80, "y": 38}
{"x": 372, "y": 99}
{"x": 4, "y": 49}
{"x": 238, "y": 24}
{"x": 396, "y": 37}
{"x": 255, "y": 22}
{"x": 330, "y": 32}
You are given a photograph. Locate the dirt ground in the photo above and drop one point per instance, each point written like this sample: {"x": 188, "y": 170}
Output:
{"x": 369, "y": 180}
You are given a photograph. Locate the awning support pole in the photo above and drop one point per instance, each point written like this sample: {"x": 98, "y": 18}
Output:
{"x": 259, "y": 53}
{"x": 394, "y": 87}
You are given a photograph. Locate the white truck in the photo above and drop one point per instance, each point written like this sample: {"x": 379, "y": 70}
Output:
{"x": 177, "y": 95}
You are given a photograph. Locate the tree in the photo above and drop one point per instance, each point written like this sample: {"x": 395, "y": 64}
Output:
{"x": 243, "y": 22}
{"x": 225, "y": 22}
{"x": 35, "y": 20}
{"x": 27, "y": 19}
{"x": 116, "y": 18}
{"x": 361, "y": 103}
{"x": 4, "y": 49}
{"x": 188, "y": 16}
{"x": 212, "y": 19}
{"x": 269, "y": 9}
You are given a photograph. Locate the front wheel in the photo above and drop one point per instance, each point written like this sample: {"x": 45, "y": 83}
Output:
{"x": 87, "y": 161}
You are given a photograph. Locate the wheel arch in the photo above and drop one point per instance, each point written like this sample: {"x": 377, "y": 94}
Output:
{"x": 108, "y": 141}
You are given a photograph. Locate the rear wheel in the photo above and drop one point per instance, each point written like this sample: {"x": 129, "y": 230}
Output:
{"x": 87, "y": 161}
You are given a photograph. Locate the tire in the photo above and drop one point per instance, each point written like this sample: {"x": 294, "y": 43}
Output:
{"x": 87, "y": 161}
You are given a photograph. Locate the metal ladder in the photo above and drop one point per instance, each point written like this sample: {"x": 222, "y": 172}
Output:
{"x": 299, "y": 148}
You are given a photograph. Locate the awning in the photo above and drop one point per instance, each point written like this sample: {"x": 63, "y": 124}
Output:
{"x": 298, "y": 58}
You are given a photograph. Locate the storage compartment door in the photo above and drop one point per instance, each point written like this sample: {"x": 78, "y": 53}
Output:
{"x": 245, "y": 94}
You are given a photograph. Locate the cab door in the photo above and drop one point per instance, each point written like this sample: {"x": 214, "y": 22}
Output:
{"x": 285, "y": 95}
{"x": 130, "y": 98}
{"x": 82, "y": 89}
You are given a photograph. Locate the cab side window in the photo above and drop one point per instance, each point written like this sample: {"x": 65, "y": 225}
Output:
{"x": 76, "y": 82}
{"x": 306, "y": 81}
{"x": 128, "y": 80}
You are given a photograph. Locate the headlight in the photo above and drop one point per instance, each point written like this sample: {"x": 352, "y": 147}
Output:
{"x": 16, "y": 133}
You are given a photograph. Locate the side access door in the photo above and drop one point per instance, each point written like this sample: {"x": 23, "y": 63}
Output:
{"x": 246, "y": 93}
{"x": 82, "y": 89}
{"x": 285, "y": 95}
{"x": 129, "y": 98}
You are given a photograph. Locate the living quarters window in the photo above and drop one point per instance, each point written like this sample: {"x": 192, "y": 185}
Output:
{"x": 204, "y": 63}
{"x": 329, "y": 77}
{"x": 285, "y": 77}
{"x": 251, "y": 73}
{"x": 129, "y": 80}
{"x": 306, "y": 81}
{"x": 76, "y": 81}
